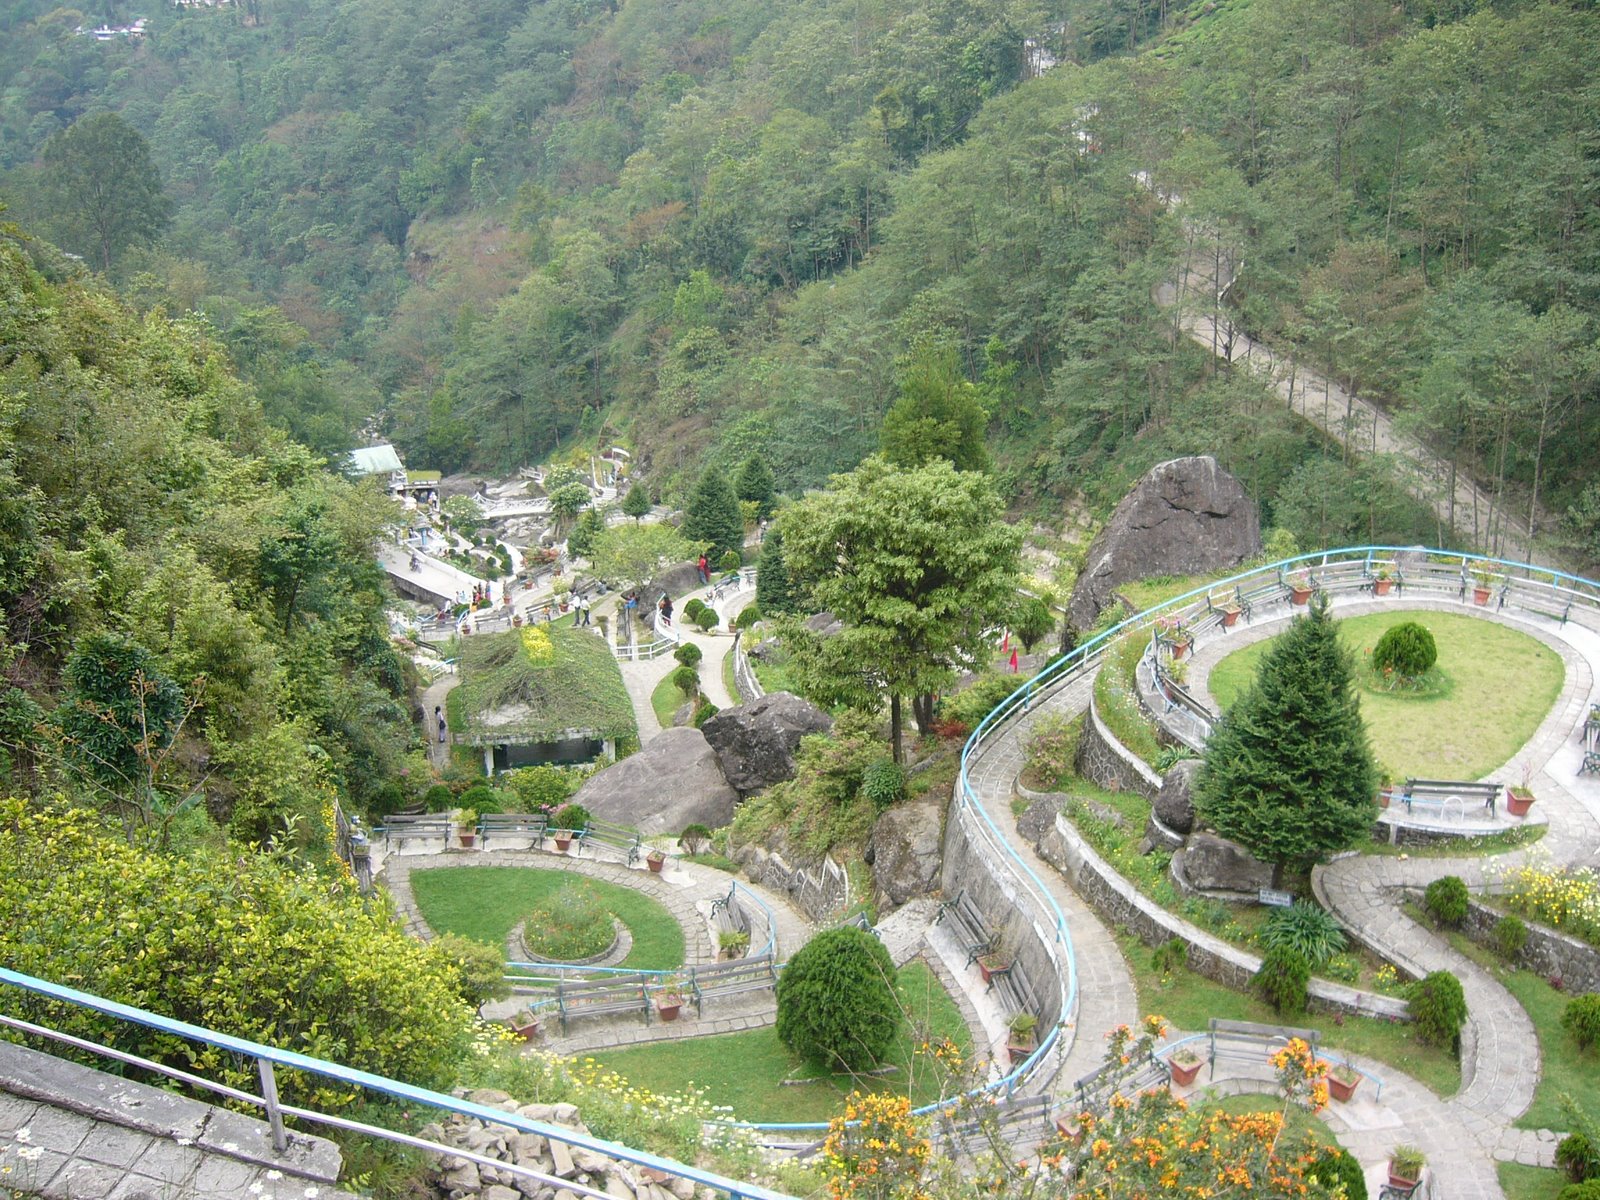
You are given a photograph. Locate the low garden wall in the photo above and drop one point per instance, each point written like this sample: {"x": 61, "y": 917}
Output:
{"x": 1119, "y": 902}
{"x": 820, "y": 890}
{"x": 1110, "y": 764}
{"x": 1547, "y": 952}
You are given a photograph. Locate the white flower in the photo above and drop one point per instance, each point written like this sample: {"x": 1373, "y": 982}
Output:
{"x": 23, "y": 1134}
{"x": 274, "y": 1174}
{"x": 30, "y": 1152}
{"x": 312, "y": 1193}
{"x": 255, "y": 1188}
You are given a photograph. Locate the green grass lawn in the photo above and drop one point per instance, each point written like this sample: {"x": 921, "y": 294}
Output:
{"x": 666, "y": 700}
{"x": 1564, "y": 1067}
{"x": 1531, "y": 1183}
{"x": 485, "y": 902}
{"x": 1499, "y": 685}
{"x": 774, "y": 677}
{"x": 747, "y": 1071}
{"x": 1189, "y": 1001}
{"x": 728, "y": 682}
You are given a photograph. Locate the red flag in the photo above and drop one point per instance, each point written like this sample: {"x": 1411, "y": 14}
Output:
{"x": 1005, "y": 642}
{"x": 1013, "y": 662}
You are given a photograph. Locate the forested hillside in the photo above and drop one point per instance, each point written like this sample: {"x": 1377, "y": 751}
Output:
{"x": 712, "y": 230}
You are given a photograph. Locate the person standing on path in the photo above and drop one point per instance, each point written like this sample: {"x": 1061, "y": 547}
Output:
{"x": 704, "y": 566}
{"x": 438, "y": 715}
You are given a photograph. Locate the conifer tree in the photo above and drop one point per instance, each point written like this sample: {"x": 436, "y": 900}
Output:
{"x": 756, "y": 486}
{"x": 775, "y": 591}
{"x": 712, "y": 517}
{"x": 1288, "y": 771}
{"x": 637, "y": 502}
{"x": 580, "y": 542}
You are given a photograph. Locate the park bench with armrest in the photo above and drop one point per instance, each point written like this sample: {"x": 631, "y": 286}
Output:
{"x": 1001, "y": 1128}
{"x": 1440, "y": 792}
{"x": 1545, "y": 602}
{"x": 528, "y": 825}
{"x": 1016, "y": 993}
{"x": 1249, "y": 1042}
{"x": 397, "y": 829}
{"x": 968, "y": 925}
{"x": 731, "y": 978}
{"x": 601, "y": 997}
{"x": 1092, "y": 1094}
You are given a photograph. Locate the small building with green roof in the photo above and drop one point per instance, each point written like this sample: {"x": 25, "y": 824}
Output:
{"x": 540, "y": 694}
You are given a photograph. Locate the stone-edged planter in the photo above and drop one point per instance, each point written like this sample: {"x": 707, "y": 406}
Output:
{"x": 1184, "y": 1073}
{"x": 1518, "y": 801}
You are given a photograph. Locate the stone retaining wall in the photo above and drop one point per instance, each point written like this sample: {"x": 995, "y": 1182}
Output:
{"x": 1106, "y": 761}
{"x": 820, "y": 890}
{"x": 1117, "y": 900}
{"x": 1547, "y": 952}
{"x": 971, "y": 864}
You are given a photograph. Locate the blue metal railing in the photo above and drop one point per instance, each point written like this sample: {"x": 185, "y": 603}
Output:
{"x": 268, "y": 1057}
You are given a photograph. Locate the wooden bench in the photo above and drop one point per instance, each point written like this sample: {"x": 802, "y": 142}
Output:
{"x": 1016, "y": 993}
{"x": 1093, "y": 1093}
{"x": 1247, "y": 1041}
{"x": 597, "y": 998}
{"x": 1549, "y": 604}
{"x": 1263, "y": 593}
{"x": 969, "y": 926}
{"x": 513, "y": 825}
{"x": 731, "y": 978}
{"x": 1000, "y": 1128}
{"x": 1439, "y": 792}
{"x": 398, "y": 829}
{"x": 624, "y": 840}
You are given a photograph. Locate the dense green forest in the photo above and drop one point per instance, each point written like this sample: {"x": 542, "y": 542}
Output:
{"x": 714, "y": 230}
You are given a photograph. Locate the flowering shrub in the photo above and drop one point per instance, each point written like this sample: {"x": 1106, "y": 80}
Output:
{"x": 1302, "y": 1076}
{"x": 876, "y": 1150}
{"x": 537, "y": 646}
{"x": 1567, "y": 900}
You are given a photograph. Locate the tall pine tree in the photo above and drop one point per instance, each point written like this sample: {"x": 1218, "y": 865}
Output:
{"x": 637, "y": 502}
{"x": 775, "y": 591}
{"x": 713, "y": 517}
{"x": 1288, "y": 771}
{"x": 755, "y": 485}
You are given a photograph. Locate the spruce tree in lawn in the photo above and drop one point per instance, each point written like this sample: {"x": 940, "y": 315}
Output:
{"x": 755, "y": 484}
{"x": 637, "y": 502}
{"x": 712, "y": 517}
{"x": 1288, "y": 771}
{"x": 774, "y": 588}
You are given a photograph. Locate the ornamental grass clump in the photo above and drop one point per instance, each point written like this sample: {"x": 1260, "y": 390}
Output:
{"x": 1305, "y": 928}
{"x": 1282, "y": 980}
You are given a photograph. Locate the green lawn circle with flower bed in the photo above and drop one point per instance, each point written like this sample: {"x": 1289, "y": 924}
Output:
{"x": 484, "y": 903}
{"x": 1490, "y": 690}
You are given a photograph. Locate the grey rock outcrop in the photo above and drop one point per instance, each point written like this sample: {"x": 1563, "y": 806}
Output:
{"x": 673, "y": 782}
{"x": 905, "y": 851}
{"x": 1185, "y": 517}
{"x": 1174, "y": 803}
{"x": 1214, "y": 864}
{"x": 756, "y": 742}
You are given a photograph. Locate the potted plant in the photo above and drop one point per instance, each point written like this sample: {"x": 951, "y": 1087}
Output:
{"x": 1405, "y": 1167}
{"x": 1020, "y": 1038}
{"x": 1384, "y": 580}
{"x": 669, "y": 997}
{"x": 1300, "y": 587}
{"x": 1519, "y": 799}
{"x": 995, "y": 962}
{"x": 1385, "y": 787}
{"x": 1482, "y": 585}
{"x": 1184, "y": 1063}
{"x": 733, "y": 942}
{"x": 1230, "y": 615}
{"x": 1343, "y": 1079}
{"x": 655, "y": 860}
{"x": 524, "y": 1024}
{"x": 467, "y": 827}
{"x": 568, "y": 819}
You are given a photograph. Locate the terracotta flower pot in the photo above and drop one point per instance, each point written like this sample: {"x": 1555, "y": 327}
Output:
{"x": 990, "y": 965}
{"x": 1384, "y": 796}
{"x": 1230, "y": 617}
{"x": 1340, "y": 1090}
{"x": 655, "y": 864}
{"x": 1299, "y": 594}
{"x": 668, "y": 1007}
{"x": 1183, "y": 1074}
{"x": 469, "y": 839}
{"x": 1480, "y": 596}
{"x": 1019, "y": 1051}
{"x": 562, "y": 843}
{"x": 1400, "y": 1181}
{"x": 1518, "y": 801}
{"x": 1179, "y": 649}
{"x": 1382, "y": 586}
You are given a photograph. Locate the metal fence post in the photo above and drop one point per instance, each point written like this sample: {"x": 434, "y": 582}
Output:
{"x": 269, "y": 1093}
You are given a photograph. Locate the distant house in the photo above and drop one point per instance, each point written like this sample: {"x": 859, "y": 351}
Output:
{"x": 540, "y": 695}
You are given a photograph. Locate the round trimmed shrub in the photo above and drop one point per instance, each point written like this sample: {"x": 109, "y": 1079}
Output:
{"x": 1581, "y": 1019}
{"x": 1304, "y": 927}
{"x": 481, "y": 966}
{"x": 1581, "y": 1191}
{"x": 1578, "y": 1158}
{"x": 1282, "y": 980}
{"x": 1446, "y": 901}
{"x": 748, "y": 616}
{"x": 1338, "y": 1166}
{"x": 1406, "y": 649}
{"x": 884, "y": 783}
{"x": 693, "y": 607}
{"x": 1438, "y": 1008}
{"x": 836, "y": 1001}
{"x": 571, "y": 816}
{"x": 439, "y": 798}
{"x": 686, "y": 680}
{"x": 541, "y": 788}
{"x": 479, "y": 798}
{"x": 1510, "y": 936}
{"x": 731, "y": 561}
{"x": 703, "y": 712}
{"x": 688, "y": 654}
{"x": 706, "y": 618}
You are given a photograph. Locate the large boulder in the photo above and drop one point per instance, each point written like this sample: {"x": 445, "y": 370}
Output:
{"x": 906, "y": 850}
{"x": 674, "y": 781}
{"x": 676, "y": 581}
{"x": 1174, "y": 803}
{"x": 1185, "y": 517}
{"x": 756, "y": 742}
{"x": 1214, "y": 864}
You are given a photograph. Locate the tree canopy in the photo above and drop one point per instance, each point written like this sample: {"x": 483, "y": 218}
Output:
{"x": 918, "y": 563}
{"x": 1288, "y": 771}
{"x": 712, "y": 518}
{"x": 104, "y": 190}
